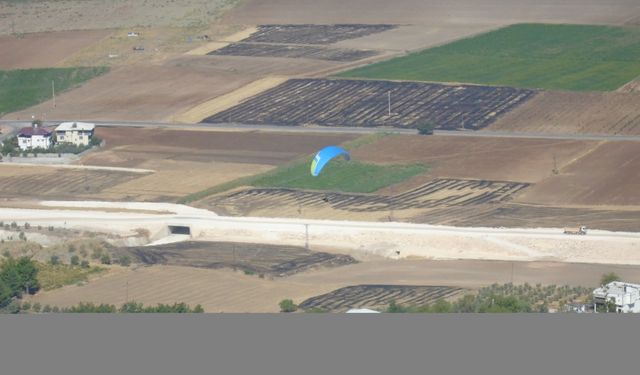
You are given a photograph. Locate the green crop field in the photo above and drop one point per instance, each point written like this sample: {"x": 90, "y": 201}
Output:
{"x": 563, "y": 57}
{"x": 21, "y": 89}
{"x": 339, "y": 175}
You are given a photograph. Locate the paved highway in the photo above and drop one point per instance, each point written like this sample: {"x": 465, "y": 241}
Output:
{"x": 348, "y": 130}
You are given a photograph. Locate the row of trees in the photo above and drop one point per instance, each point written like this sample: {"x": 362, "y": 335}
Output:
{"x": 470, "y": 304}
{"x": 133, "y": 308}
{"x": 17, "y": 277}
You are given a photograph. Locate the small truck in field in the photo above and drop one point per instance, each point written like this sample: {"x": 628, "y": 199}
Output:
{"x": 579, "y": 230}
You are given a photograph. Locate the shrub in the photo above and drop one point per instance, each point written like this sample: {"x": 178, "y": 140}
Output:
{"x": 609, "y": 277}
{"x": 125, "y": 261}
{"x": 287, "y": 306}
{"x": 26, "y": 306}
{"x": 36, "y": 307}
{"x": 46, "y": 309}
{"x": 85, "y": 264}
{"x": 75, "y": 260}
{"x": 105, "y": 259}
{"x": 96, "y": 253}
{"x": 55, "y": 260}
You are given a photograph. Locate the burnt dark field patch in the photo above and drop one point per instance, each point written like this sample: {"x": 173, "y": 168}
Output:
{"x": 261, "y": 259}
{"x": 378, "y": 297}
{"x": 436, "y": 193}
{"x": 292, "y": 51}
{"x": 360, "y": 103}
{"x": 313, "y": 34}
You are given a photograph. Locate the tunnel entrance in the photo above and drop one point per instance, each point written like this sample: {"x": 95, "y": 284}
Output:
{"x": 179, "y": 229}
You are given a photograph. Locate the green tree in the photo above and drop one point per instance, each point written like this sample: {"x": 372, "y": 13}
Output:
{"x": 426, "y": 128}
{"x": 6, "y": 294}
{"x": 75, "y": 260}
{"x": 19, "y": 275}
{"x": 466, "y": 304}
{"x": 287, "y": 305}
{"x": 395, "y": 308}
{"x": 609, "y": 277}
{"x": 441, "y": 306}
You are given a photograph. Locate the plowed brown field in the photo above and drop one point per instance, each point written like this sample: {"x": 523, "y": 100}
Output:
{"x": 503, "y": 159}
{"x": 607, "y": 176}
{"x": 44, "y": 50}
{"x": 575, "y": 113}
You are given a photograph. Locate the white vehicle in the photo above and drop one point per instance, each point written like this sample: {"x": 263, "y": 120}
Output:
{"x": 580, "y": 230}
{"x": 132, "y": 33}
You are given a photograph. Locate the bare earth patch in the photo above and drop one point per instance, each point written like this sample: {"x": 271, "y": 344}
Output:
{"x": 45, "y": 50}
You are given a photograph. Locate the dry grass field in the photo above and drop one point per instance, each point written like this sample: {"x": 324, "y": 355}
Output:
{"x": 228, "y": 291}
{"x": 155, "y": 92}
{"x": 430, "y": 11}
{"x": 50, "y": 15}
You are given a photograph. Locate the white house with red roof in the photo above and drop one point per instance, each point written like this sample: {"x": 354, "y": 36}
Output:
{"x": 34, "y": 137}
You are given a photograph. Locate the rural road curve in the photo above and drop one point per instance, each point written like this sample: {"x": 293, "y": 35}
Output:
{"x": 383, "y": 239}
{"x": 338, "y": 130}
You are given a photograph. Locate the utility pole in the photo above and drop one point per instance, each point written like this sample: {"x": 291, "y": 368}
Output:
{"x": 512, "y": 273}
{"x": 53, "y": 92}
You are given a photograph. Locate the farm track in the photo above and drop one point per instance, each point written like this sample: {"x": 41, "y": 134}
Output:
{"x": 365, "y": 103}
{"x": 313, "y": 34}
{"x": 378, "y": 296}
{"x": 435, "y": 194}
{"x": 291, "y": 51}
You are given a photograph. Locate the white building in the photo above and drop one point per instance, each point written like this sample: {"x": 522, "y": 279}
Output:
{"x": 362, "y": 311}
{"x": 78, "y": 133}
{"x": 625, "y": 296}
{"x": 34, "y": 137}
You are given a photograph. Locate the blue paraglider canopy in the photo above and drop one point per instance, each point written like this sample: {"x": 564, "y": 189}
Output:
{"x": 324, "y": 156}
